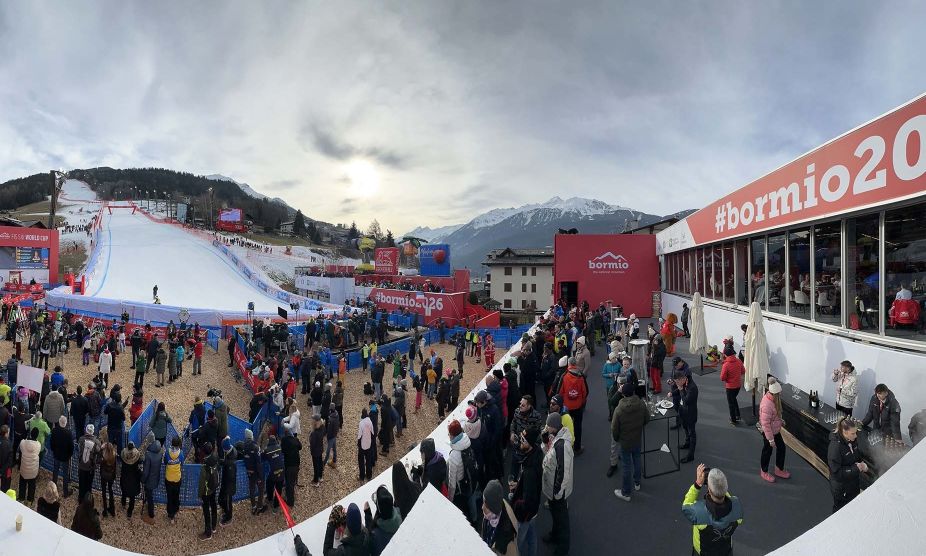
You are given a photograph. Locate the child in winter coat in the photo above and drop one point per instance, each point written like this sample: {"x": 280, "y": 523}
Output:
{"x": 181, "y": 353}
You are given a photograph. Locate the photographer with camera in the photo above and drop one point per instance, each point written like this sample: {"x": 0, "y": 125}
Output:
{"x": 715, "y": 516}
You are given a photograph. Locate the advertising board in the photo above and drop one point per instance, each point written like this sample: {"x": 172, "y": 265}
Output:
{"x": 386, "y": 260}
{"x": 434, "y": 259}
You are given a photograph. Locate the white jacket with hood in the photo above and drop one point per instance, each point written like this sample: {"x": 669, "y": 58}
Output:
{"x": 557, "y": 466}
{"x": 455, "y": 469}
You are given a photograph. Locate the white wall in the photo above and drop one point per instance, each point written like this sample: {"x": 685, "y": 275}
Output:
{"x": 543, "y": 297}
{"x": 806, "y": 358}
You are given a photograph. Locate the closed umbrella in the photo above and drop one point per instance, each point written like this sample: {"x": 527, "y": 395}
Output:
{"x": 756, "y": 348}
{"x": 698, "y": 342}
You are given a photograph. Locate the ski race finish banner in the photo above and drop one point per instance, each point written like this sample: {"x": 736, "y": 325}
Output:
{"x": 431, "y": 305}
{"x": 386, "y": 260}
{"x": 877, "y": 163}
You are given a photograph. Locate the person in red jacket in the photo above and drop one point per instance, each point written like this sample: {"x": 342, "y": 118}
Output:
{"x": 198, "y": 357}
{"x": 574, "y": 390}
{"x": 732, "y": 376}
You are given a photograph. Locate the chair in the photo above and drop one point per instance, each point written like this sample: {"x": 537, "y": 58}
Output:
{"x": 800, "y": 299}
{"x": 824, "y": 302}
{"x": 904, "y": 312}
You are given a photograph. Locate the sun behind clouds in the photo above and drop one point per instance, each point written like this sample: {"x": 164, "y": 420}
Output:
{"x": 364, "y": 178}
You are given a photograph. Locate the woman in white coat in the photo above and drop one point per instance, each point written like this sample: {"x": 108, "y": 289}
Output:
{"x": 846, "y": 387}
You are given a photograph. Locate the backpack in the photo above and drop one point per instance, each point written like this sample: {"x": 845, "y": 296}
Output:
{"x": 86, "y": 452}
{"x": 212, "y": 478}
{"x": 94, "y": 403}
{"x": 470, "y": 481}
{"x": 368, "y": 389}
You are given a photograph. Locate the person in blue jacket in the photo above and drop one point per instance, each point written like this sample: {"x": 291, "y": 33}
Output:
{"x": 715, "y": 517}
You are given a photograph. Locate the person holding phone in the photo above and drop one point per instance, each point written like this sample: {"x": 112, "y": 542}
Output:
{"x": 846, "y": 381}
{"x": 845, "y": 463}
{"x": 716, "y": 516}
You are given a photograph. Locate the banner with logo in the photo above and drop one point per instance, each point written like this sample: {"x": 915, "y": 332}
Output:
{"x": 434, "y": 259}
{"x": 875, "y": 164}
{"x": 386, "y": 260}
{"x": 430, "y": 305}
{"x": 621, "y": 268}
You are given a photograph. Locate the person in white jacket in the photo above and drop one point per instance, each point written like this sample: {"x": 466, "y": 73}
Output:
{"x": 106, "y": 361}
{"x": 846, "y": 387}
{"x": 28, "y": 466}
{"x": 557, "y": 480}
{"x": 291, "y": 422}
{"x": 459, "y": 441}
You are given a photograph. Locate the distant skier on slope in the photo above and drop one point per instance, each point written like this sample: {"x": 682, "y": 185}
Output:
{"x": 154, "y": 292}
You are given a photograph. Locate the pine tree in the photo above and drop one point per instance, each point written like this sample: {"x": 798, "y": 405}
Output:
{"x": 389, "y": 241}
{"x": 353, "y": 232}
{"x": 299, "y": 224}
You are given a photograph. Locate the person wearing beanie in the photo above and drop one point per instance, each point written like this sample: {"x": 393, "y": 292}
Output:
{"x": 630, "y": 416}
{"x": 433, "y": 468}
{"x": 208, "y": 485}
{"x": 525, "y": 492}
{"x": 462, "y": 469}
{"x": 53, "y": 408}
{"x": 29, "y": 450}
{"x": 273, "y": 455}
{"x": 574, "y": 391}
{"x": 731, "y": 373}
{"x": 229, "y": 486}
{"x": 556, "y": 406}
{"x": 610, "y": 370}
{"x": 88, "y": 452}
{"x": 525, "y": 417}
{"x": 332, "y": 428}
{"x": 356, "y": 540}
{"x": 497, "y": 520}
{"x": 316, "y": 446}
{"x": 685, "y": 396}
{"x": 130, "y": 477}
{"x": 62, "y": 448}
{"x": 254, "y": 467}
{"x": 770, "y": 421}
{"x": 557, "y": 480}
{"x": 386, "y": 522}
{"x": 173, "y": 471}
{"x": 582, "y": 356}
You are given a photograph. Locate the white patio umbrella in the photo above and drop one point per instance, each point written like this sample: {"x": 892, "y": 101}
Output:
{"x": 756, "y": 348}
{"x": 698, "y": 343}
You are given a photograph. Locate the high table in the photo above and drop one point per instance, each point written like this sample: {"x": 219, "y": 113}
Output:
{"x": 813, "y": 427}
{"x": 656, "y": 415}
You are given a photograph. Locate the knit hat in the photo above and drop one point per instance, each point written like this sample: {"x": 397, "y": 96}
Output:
{"x": 555, "y": 421}
{"x": 627, "y": 390}
{"x": 482, "y": 397}
{"x": 612, "y": 357}
{"x": 248, "y": 434}
{"x": 774, "y": 387}
{"x": 226, "y": 444}
{"x": 471, "y": 413}
{"x": 384, "y": 502}
{"x": 532, "y": 435}
{"x": 454, "y": 428}
{"x": 427, "y": 449}
{"x": 63, "y": 421}
{"x": 354, "y": 522}
{"x": 492, "y": 496}
{"x": 89, "y": 429}
{"x": 557, "y": 399}
{"x": 563, "y": 361}
{"x": 581, "y": 340}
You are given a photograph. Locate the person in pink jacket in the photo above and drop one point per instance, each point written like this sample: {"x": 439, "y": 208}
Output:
{"x": 732, "y": 376}
{"x": 770, "y": 419}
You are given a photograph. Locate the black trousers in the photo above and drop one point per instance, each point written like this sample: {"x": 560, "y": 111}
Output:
{"x": 173, "y": 497}
{"x": 733, "y": 404}
{"x": 84, "y": 482}
{"x": 691, "y": 436}
{"x": 210, "y": 514}
{"x": 292, "y": 478}
{"x": 226, "y": 502}
{"x": 576, "y": 415}
{"x": 846, "y": 410}
{"x": 149, "y": 501}
{"x": 256, "y": 490}
{"x": 26, "y": 489}
{"x": 767, "y": 452}
{"x": 559, "y": 511}
{"x": 365, "y": 461}
{"x": 685, "y": 328}
{"x": 109, "y": 500}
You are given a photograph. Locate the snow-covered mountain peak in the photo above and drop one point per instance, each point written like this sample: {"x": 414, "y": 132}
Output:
{"x": 248, "y": 190}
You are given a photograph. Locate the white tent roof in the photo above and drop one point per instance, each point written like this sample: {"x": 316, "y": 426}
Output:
{"x": 435, "y": 523}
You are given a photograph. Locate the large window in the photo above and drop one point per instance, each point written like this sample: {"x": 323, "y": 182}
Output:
{"x": 827, "y": 280}
{"x": 713, "y": 272}
{"x": 777, "y": 286}
{"x": 699, "y": 271}
{"x": 799, "y": 288}
{"x": 686, "y": 272}
{"x": 905, "y": 271}
{"x": 862, "y": 272}
{"x": 741, "y": 250}
{"x": 758, "y": 287}
{"x": 727, "y": 272}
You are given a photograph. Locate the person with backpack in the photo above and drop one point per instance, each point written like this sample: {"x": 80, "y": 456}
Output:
{"x": 229, "y": 480}
{"x": 557, "y": 480}
{"x": 574, "y": 391}
{"x": 338, "y": 400}
{"x": 108, "y": 464}
{"x": 136, "y": 342}
{"x": 62, "y": 448}
{"x": 95, "y": 404}
{"x": 173, "y": 476}
{"x": 208, "y": 485}
{"x": 332, "y": 428}
{"x": 88, "y": 450}
{"x": 254, "y": 468}
{"x": 273, "y": 455}
{"x": 151, "y": 476}
{"x": 462, "y": 471}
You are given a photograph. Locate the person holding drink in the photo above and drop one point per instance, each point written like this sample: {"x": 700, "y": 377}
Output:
{"x": 846, "y": 387}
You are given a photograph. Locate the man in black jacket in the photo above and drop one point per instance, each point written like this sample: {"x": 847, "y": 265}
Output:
{"x": 685, "y": 396}
{"x": 80, "y": 407}
{"x": 153, "y": 346}
{"x": 526, "y": 490}
{"x": 290, "y": 446}
{"x": 62, "y": 448}
{"x": 884, "y": 412}
{"x": 229, "y": 480}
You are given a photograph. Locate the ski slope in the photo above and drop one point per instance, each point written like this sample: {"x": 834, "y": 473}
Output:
{"x": 137, "y": 253}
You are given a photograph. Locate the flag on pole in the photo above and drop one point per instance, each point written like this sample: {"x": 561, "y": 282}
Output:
{"x": 289, "y": 518}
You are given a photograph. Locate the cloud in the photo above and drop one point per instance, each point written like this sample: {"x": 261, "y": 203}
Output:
{"x": 328, "y": 145}
{"x": 459, "y": 107}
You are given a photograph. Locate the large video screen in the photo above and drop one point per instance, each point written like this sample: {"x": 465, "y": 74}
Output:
{"x": 24, "y": 258}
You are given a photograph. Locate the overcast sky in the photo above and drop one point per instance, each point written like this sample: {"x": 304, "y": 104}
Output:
{"x": 427, "y": 113}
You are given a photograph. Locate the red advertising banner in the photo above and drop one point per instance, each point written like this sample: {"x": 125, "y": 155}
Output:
{"x": 621, "y": 268}
{"x": 876, "y": 163}
{"x": 386, "y": 260}
{"x": 431, "y": 305}
{"x": 14, "y": 236}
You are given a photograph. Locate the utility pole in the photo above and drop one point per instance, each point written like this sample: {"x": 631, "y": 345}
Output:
{"x": 53, "y": 175}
